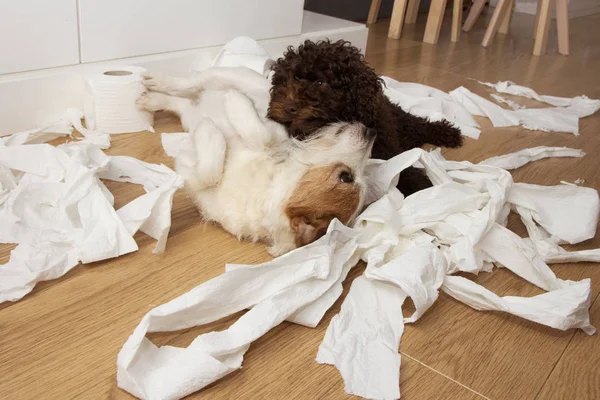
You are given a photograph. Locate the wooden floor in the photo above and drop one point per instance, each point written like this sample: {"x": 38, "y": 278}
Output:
{"x": 61, "y": 342}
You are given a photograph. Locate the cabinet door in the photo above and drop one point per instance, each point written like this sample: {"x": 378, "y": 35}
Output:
{"x": 37, "y": 34}
{"x": 113, "y": 29}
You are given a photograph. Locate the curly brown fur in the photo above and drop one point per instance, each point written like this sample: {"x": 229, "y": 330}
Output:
{"x": 324, "y": 82}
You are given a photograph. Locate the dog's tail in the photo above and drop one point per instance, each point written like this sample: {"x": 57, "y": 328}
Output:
{"x": 417, "y": 131}
{"x": 443, "y": 134}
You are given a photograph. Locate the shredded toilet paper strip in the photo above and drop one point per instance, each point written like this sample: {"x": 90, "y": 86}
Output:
{"x": 520, "y": 158}
{"x": 275, "y": 291}
{"x": 367, "y": 331}
{"x": 510, "y": 103}
{"x": 582, "y": 106}
{"x": 554, "y": 119}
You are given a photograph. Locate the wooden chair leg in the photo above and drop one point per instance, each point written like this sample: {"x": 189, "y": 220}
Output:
{"x": 397, "y": 19}
{"x": 507, "y": 17}
{"x": 412, "y": 11}
{"x": 501, "y": 9}
{"x": 476, "y": 10}
{"x": 373, "y": 12}
{"x": 562, "y": 25}
{"x": 541, "y": 34}
{"x": 434, "y": 21}
{"x": 456, "y": 20}
{"x": 537, "y": 17}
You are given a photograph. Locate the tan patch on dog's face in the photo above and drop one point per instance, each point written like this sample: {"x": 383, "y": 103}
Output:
{"x": 322, "y": 194}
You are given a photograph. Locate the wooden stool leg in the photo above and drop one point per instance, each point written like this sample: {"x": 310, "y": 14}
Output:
{"x": 506, "y": 20}
{"x": 434, "y": 21}
{"x": 373, "y": 12}
{"x": 537, "y": 17}
{"x": 562, "y": 24}
{"x": 501, "y": 8}
{"x": 541, "y": 34}
{"x": 473, "y": 14}
{"x": 397, "y": 19}
{"x": 456, "y": 20}
{"x": 412, "y": 11}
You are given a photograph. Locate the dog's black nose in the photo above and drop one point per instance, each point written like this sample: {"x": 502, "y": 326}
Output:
{"x": 370, "y": 133}
{"x": 291, "y": 108}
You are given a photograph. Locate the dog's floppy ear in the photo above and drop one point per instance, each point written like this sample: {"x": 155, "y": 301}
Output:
{"x": 306, "y": 226}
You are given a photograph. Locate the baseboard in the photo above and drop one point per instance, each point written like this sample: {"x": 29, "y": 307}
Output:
{"x": 35, "y": 98}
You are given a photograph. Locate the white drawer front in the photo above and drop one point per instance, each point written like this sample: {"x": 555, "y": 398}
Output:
{"x": 37, "y": 34}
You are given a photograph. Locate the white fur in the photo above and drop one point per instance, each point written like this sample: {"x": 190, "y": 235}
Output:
{"x": 242, "y": 168}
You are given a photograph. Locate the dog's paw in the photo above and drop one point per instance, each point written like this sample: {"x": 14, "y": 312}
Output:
{"x": 149, "y": 101}
{"x": 142, "y": 101}
{"x": 156, "y": 81}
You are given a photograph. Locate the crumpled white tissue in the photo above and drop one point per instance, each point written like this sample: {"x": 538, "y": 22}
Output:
{"x": 62, "y": 127}
{"x": 411, "y": 247}
{"x": 244, "y": 51}
{"x": 58, "y": 211}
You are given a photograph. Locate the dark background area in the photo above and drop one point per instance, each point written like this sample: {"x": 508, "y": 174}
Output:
{"x": 353, "y": 10}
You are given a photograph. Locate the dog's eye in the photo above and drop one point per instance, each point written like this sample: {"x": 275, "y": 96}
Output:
{"x": 319, "y": 82}
{"x": 346, "y": 177}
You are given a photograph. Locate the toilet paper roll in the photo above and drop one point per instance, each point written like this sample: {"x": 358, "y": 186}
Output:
{"x": 109, "y": 101}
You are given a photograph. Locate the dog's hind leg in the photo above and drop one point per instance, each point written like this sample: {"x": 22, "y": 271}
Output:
{"x": 254, "y": 132}
{"x": 244, "y": 80}
{"x": 202, "y": 163}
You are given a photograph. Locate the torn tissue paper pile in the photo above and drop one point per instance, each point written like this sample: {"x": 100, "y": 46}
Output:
{"x": 55, "y": 207}
{"x": 412, "y": 247}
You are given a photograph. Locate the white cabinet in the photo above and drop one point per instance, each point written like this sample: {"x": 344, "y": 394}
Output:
{"x": 36, "y": 34}
{"x": 112, "y": 29}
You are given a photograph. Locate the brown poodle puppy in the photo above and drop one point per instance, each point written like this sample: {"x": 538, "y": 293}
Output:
{"x": 324, "y": 82}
